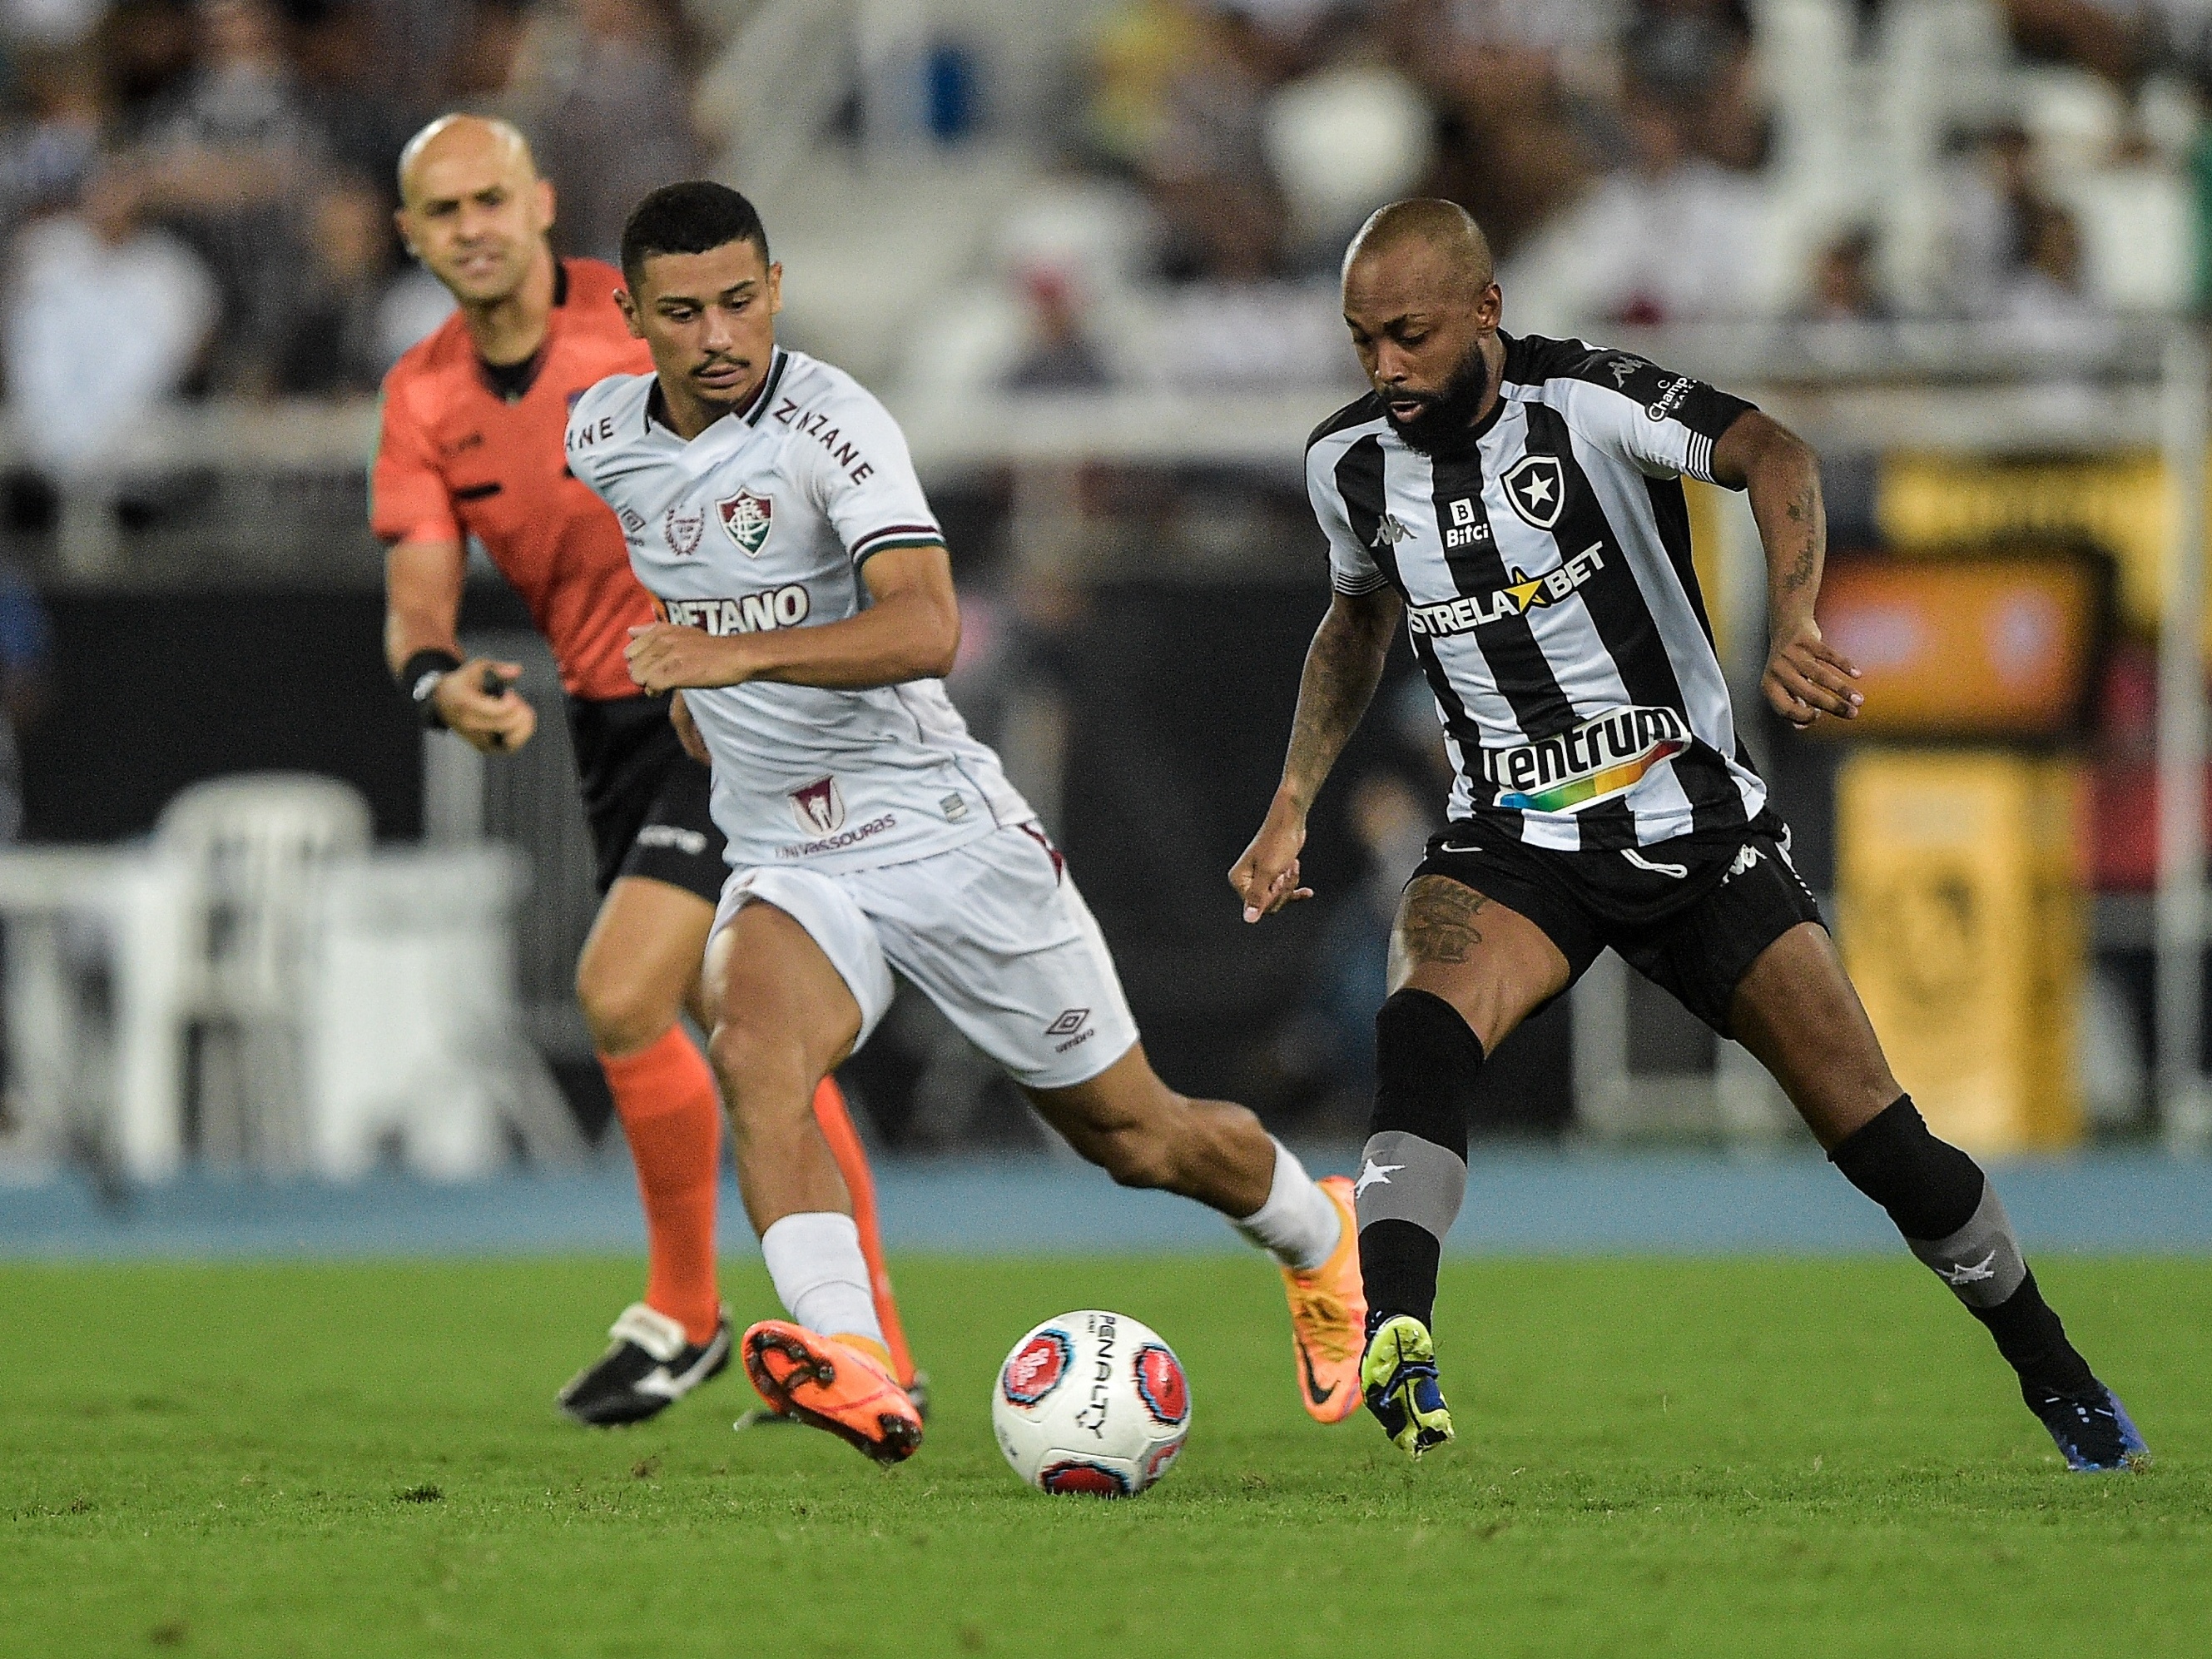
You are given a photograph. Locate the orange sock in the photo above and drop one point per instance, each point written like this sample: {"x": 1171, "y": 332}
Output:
{"x": 852, "y": 1163}
{"x": 673, "y": 1118}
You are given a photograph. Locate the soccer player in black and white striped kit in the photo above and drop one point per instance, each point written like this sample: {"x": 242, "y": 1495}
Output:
{"x": 1516, "y": 504}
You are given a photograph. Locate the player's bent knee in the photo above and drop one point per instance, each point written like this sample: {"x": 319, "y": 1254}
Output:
{"x": 622, "y": 1016}
{"x": 1426, "y": 1057}
{"x": 755, "y": 1063}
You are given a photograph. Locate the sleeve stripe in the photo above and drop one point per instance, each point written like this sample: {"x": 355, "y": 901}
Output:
{"x": 926, "y": 532}
{"x": 1345, "y": 586}
{"x": 862, "y": 554}
{"x": 1699, "y": 462}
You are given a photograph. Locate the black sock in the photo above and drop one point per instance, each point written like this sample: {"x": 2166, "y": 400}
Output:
{"x": 1412, "y": 1171}
{"x": 1952, "y": 1219}
{"x": 2030, "y": 1337}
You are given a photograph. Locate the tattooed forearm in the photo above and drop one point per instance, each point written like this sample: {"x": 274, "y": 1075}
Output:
{"x": 1437, "y": 923}
{"x": 1343, "y": 666}
{"x": 1793, "y": 524}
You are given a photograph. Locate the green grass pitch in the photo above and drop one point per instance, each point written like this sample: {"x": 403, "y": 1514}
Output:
{"x": 1656, "y": 1457}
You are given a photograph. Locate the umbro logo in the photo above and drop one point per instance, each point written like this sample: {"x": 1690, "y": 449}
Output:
{"x": 1537, "y": 490}
{"x": 1070, "y": 1021}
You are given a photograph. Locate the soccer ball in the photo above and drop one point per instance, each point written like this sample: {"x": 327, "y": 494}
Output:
{"x": 1091, "y": 1402}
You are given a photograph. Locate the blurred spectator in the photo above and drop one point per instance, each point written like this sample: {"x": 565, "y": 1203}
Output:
{"x": 1844, "y": 287}
{"x": 610, "y": 116}
{"x": 2013, "y": 252}
{"x": 1180, "y": 99}
{"x": 1674, "y": 237}
{"x": 106, "y": 319}
{"x": 1060, "y": 356}
{"x": 1693, "y": 58}
{"x": 1516, "y": 88}
{"x": 46, "y": 159}
{"x": 363, "y": 120}
{"x": 227, "y": 158}
{"x": 335, "y": 343}
{"x": 26, "y": 643}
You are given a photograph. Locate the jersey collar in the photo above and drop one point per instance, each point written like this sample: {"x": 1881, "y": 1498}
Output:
{"x": 656, "y": 408}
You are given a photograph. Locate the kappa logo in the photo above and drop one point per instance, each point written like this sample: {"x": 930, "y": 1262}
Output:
{"x": 1036, "y": 1367}
{"x": 1621, "y": 369}
{"x": 682, "y": 526}
{"x": 746, "y": 517}
{"x": 1536, "y": 489}
{"x": 1390, "y": 532}
{"x": 1161, "y": 1385}
{"x": 1746, "y": 857}
{"x": 819, "y": 807}
{"x": 1068, "y": 1024}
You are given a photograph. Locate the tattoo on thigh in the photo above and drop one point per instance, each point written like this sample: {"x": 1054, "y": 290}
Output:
{"x": 1438, "y": 925}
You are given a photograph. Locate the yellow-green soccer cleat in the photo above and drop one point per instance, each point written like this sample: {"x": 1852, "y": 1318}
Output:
{"x": 1398, "y": 1374}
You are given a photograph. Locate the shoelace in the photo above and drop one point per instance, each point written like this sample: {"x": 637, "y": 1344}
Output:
{"x": 1323, "y": 1319}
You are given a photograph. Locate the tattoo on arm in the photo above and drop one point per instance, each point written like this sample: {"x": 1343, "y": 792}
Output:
{"x": 1804, "y": 513}
{"x": 1437, "y": 924}
{"x": 1343, "y": 666}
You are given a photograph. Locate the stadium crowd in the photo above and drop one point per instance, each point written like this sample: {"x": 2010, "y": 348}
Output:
{"x": 223, "y": 171}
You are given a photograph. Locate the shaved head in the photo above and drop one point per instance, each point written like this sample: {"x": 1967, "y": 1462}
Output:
{"x": 472, "y": 136}
{"x": 1421, "y": 299}
{"x": 1442, "y": 234}
{"x": 473, "y": 209}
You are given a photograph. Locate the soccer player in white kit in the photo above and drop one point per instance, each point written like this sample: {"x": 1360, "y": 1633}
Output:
{"x": 770, "y": 507}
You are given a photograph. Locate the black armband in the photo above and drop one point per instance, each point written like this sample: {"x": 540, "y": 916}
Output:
{"x": 419, "y": 680}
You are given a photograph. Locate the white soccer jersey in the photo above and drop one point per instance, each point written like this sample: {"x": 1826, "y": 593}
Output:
{"x": 763, "y": 521}
{"x": 1550, "y": 599}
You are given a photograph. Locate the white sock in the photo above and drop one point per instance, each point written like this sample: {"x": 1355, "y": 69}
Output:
{"x": 1297, "y": 1225}
{"x": 814, "y": 1257}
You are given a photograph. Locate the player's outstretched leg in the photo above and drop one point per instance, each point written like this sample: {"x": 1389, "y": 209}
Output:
{"x": 1796, "y": 1010}
{"x": 1143, "y": 1133}
{"x": 785, "y": 1016}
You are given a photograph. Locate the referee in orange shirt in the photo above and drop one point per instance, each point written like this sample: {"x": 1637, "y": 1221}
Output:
{"x": 471, "y": 444}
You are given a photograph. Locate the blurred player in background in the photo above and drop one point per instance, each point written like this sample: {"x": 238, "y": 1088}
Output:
{"x": 771, "y": 507}
{"x": 1517, "y": 502}
{"x": 470, "y": 446}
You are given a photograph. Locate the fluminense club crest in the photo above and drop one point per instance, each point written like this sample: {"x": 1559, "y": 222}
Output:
{"x": 745, "y": 516}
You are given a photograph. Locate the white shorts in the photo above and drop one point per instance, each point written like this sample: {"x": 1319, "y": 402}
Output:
{"x": 993, "y": 931}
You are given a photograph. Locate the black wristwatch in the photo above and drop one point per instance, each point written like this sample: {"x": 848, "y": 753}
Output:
{"x": 419, "y": 680}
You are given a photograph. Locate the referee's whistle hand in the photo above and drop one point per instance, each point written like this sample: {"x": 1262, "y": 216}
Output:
{"x": 495, "y": 722}
{"x": 1807, "y": 677}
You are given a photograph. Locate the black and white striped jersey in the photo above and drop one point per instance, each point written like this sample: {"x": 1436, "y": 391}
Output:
{"x": 1545, "y": 564}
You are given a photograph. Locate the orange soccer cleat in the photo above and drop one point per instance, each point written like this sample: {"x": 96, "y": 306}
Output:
{"x": 1329, "y": 1316}
{"x": 828, "y": 1383}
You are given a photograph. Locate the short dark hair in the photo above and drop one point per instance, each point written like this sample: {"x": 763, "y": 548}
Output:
{"x": 693, "y": 217}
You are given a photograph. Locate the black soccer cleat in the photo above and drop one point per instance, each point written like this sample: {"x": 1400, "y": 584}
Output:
{"x": 651, "y": 1365}
{"x": 2093, "y": 1432}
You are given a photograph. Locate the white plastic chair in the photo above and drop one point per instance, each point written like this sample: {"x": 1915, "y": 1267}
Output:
{"x": 254, "y": 846}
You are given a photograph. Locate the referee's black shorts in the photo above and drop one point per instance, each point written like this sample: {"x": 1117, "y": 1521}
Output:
{"x": 645, "y": 799}
{"x": 1690, "y": 914}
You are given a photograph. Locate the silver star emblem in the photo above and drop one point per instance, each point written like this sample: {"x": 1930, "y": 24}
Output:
{"x": 1374, "y": 1175}
{"x": 1538, "y": 490}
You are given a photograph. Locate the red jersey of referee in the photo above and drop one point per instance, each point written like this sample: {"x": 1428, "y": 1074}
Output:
{"x": 455, "y": 457}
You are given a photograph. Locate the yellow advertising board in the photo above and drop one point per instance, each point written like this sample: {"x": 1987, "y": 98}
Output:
{"x": 1941, "y": 502}
{"x": 1961, "y": 916}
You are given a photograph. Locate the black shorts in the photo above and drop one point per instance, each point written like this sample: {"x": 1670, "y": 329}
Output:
{"x": 1690, "y": 916}
{"x": 645, "y": 799}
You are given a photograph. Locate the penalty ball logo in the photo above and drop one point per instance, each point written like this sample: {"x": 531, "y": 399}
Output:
{"x": 1037, "y": 1368}
{"x": 1161, "y": 1386}
{"x": 746, "y": 517}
